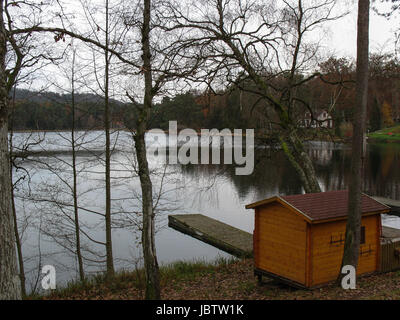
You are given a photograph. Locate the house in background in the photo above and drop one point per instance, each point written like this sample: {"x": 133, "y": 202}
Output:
{"x": 322, "y": 119}
{"x": 300, "y": 238}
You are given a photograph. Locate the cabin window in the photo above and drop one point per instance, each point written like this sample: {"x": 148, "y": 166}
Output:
{"x": 362, "y": 235}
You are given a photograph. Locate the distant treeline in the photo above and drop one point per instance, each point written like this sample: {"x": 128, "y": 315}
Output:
{"x": 333, "y": 92}
{"x": 52, "y": 111}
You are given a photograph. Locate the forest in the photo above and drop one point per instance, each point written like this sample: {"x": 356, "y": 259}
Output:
{"x": 230, "y": 108}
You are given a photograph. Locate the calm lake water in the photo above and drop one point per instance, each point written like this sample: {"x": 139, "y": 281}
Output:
{"x": 43, "y": 197}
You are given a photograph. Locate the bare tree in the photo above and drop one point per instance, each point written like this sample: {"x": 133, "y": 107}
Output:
{"x": 16, "y": 231}
{"x": 10, "y": 285}
{"x": 163, "y": 60}
{"x": 262, "y": 48}
{"x": 61, "y": 204}
{"x": 108, "y": 29}
{"x": 19, "y": 52}
{"x": 110, "y": 262}
{"x": 153, "y": 290}
{"x": 74, "y": 173}
{"x": 353, "y": 227}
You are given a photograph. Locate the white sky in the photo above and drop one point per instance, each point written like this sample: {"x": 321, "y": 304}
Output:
{"x": 343, "y": 38}
{"x": 342, "y": 35}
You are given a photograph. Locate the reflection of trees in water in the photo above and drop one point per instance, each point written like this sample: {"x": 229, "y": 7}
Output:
{"x": 383, "y": 170}
{"x": 273, "y": 174}
{"x": 201, "y": 184}
{"x": 334, "y": 173}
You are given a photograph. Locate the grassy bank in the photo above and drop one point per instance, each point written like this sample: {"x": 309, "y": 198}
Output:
{"x": 223, "y": 279}
{"x": 385, "y": 135}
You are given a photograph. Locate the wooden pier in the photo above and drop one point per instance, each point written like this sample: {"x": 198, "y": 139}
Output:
{"x": 216, "y": 233}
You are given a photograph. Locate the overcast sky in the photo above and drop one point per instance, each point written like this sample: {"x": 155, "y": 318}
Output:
{"x": 341, "y": 39}
{"x": 344, "y": 34}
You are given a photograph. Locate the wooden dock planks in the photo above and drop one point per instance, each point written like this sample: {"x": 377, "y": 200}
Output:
{"x": 216, "y": 233}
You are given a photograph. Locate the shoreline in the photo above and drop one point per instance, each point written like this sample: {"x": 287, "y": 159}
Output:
{"x": 231, "y": 279}
{"x": 198, "y": 133}
{"x": 346, "y": 141}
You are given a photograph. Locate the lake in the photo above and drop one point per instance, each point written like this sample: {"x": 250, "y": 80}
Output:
{"x": 43, "y": 196}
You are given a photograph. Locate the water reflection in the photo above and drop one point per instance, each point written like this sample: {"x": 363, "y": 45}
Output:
{"x": 213, "y": 190}
{"x": 274, "y": 175}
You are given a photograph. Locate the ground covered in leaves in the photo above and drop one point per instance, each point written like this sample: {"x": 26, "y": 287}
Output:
{"x": 224, "y": 279}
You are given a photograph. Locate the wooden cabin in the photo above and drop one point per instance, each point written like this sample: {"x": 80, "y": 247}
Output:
{"x": 300, "y": 238}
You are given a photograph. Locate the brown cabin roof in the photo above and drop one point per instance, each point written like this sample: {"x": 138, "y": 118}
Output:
{"x": 324, "y": 205}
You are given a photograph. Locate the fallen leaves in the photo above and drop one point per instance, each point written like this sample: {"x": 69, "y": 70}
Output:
{"x": 236, "y": 281}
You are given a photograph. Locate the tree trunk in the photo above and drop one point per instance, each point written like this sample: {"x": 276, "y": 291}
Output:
{"x": 353, "y": 227}
{"x": 294, "y": 150}
{"x": 74, "y": 188}
{"x": 148, "y": 231}
{"x": 14, "y": 212}
{"x": 18, "y": 241}
{"x": 148, "y": 239}
{"x": 10, "y": 286}
{"x": 109, "y": 253}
